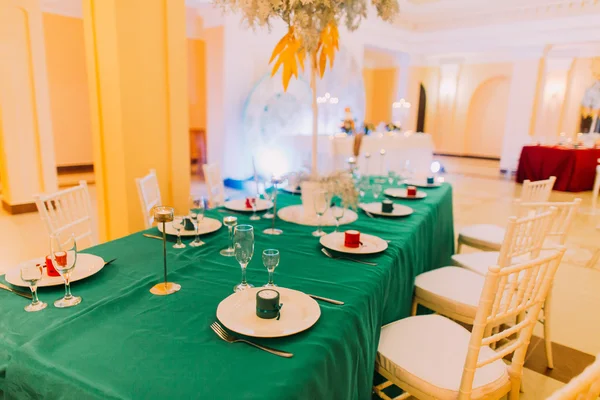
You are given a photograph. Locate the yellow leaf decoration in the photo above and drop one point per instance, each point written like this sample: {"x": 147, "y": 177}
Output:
{"x": 290, "y": 53}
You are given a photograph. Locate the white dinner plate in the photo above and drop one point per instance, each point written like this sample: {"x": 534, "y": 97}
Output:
{"x": 423, "y": 184}
{"x": 86, "y": 266}
{"x": 295, "y": 214}
{"x": 400, "y": 193}
{"x": 370, "y": 244}
{"x": 292, "y": 190}
{"x": 298, "y": 313}
{"x": 375, "y": 208}
{"x": 208, "y": 225}
{"x": 240, "y": 205}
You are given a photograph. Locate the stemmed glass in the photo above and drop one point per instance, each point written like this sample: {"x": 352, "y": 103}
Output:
{"x": 338, "y": 211}
{"x": 392, "y": 177}
{"x": 178, "y": 224}
{"x": 32, "y": 273}
{"x": 363, "y": 187}
{"x": 254, "y": 217}
{"x": 197, "y": 208}
{"x": 230, "y": 222}
{"x": 377, "y": 190}
{"x": 243, "y": 244}
{"x": 64, "y": 258}
{"x": 321, "y": 204}
{"x": 270, "y": 259}
{"x": 270, "y": 196}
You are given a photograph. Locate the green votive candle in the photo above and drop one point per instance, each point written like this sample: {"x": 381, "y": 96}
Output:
{"x": 267, "y": 304}
{"x": 387, "y": 206}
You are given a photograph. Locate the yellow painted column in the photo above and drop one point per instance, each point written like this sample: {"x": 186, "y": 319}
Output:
{"x": 27, "y": 163}
{"x": 136, "y": 57}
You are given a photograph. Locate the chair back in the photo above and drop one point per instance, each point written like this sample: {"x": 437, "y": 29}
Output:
{"x": 526, "y": 236}
{"x": 68, "y": 212}
{"x": 214, "y": 184}
{"x": 565, "y": 216}
{"x": 149, "y": 193}
{"x": 537, "y": 190}
{"x": 516, "y": 290}
{"x": 585, "y": 386}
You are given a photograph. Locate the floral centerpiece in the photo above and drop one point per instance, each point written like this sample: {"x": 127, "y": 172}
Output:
{"x": 391, "y": 127}
{"x": 312, "y": 33}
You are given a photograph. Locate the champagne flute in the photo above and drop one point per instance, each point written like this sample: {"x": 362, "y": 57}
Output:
{"x": 32, "y": 273}
{"x": 230, "y": 222}
{"x": 321, "y": 204}
{"x": 392, "y": 177}
{"x": 64, "y": 258}
{"x": 243, "y": 244}
{"x": 270, "y": 196}
{"x": 338, "y": 211}
{"x": 197, "y": 208}
{"x": 254, "y": 216}
{"x": 377, "y": 190}
{"x": 270, "y": 259}
{"x": 178, "y": 224}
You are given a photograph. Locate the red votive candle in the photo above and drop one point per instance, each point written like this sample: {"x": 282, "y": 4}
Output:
{"x": 411, "y": 191}
{"x": 50, "y": 270}
{"x": 352, "y": 239}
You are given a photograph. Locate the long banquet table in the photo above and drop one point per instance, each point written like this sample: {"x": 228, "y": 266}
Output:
{"x": 122, "y": 342}
{"x": 575, "y": 169}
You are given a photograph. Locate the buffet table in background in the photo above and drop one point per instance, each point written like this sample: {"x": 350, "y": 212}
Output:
{"x": 122, "y": 342}
{"x": 575, "y": 169}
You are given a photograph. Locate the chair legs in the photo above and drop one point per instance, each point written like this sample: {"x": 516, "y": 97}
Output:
{"x": 547, "y": 337}
{"x": 595, "y": 193}
{"x": 458, "y": 246}
{"x": 413, "y": 310}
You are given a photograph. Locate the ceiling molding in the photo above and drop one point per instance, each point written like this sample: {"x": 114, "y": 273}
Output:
{"x": 67, "y": 8}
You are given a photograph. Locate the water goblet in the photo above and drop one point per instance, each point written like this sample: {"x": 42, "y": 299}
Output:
{"x": 270, "y": 196}
{"x": 392, "y": 177}
{"x": 377, "y": 190}
{"x": 270, "y": 259}
{"x": 197, "y": 208}
{"x": 338, "y": 210}
{"x": 363, "y": 187}
{"x": 243, "y": 244}
{"x": 254, "y": 217}
{"x": 32, "y": 273}
{"x": 64, "y": 258}
{"x": 230, "y": 222}
{"x": 321, "y": 203}
{"x": 178, "y": 224}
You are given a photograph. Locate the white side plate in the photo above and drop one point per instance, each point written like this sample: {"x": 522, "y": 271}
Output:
{"x": 208, "y": 225}
{"x": 370, "y": 244}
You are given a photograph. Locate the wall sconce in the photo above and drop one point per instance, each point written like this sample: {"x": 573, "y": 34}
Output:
{"x": 401, "y": 104}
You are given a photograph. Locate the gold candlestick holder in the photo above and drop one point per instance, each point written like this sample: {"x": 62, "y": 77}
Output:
{"x": 162, "y": 215}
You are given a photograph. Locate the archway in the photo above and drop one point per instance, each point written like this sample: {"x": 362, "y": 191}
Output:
{"x": 486, "y": 118}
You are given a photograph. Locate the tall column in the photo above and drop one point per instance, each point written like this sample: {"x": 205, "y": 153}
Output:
{"x": 521, "y": 100}
{"x": 136, "y": 56}
{"x": 27, "y": 163}
{"x": 446, "y": 107}
{"x": 552, "y": 99}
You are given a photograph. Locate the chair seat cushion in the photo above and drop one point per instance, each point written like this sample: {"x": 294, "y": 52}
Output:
{"x": 428, "y": 352}
{"x": 482, "y": 235}
{"x": 478, "y": 262}
{"x": 452, "y": 289}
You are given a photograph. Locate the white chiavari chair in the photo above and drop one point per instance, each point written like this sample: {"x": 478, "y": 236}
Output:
{"x": 488, "y": 237}
{"x": 596, "y": 190}
{"x": 555, "y": 235}
{"x": 585, "y": 386}
{"x": 433, "y": 357}
{"x": 149, "y": 193}
{"x": 214, "y": 184}
{"x": 68, "y": 212}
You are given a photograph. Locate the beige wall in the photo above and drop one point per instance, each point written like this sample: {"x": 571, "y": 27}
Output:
{"x": 380, "y": 85}
{"x": 197, "y": 83}
{"x": 67, "y": 80}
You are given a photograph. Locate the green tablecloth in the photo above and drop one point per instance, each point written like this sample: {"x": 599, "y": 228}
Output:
{"x": 123, "y": 343}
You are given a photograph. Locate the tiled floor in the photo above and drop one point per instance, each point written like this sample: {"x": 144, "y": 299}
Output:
{"x": 480, "y": 195}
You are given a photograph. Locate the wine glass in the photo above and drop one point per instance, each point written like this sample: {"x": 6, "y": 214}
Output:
{"x": 363, "y": 187}
{"x": 321, "y": 204}
{"x": 230, "y": 222}
{"x": 197, "y": 208}
{"x": 178, "y": 224}
{"x": 338, "y": 210}
{"x": 254, "y": 217}
{"x": 270, "y": 259}
{"x": 270, "y": 196}
{"x": 32, "y": 273}
{"x": 392, "y": 177}
{"x": 243, "y": 244}
{"x": 377, "y": 190}
{"x": 64, "y": 258}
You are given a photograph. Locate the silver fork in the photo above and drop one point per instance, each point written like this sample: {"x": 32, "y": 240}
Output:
{"x": 328, "y": 254}
{"x": 228, "y": 337}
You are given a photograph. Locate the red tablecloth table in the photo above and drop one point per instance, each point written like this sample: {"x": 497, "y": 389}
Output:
{"x": 575, "y": 169}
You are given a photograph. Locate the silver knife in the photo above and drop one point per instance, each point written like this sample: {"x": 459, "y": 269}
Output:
{"x": 17, "y": 292}
{"x": 109, "y": 261}
{"x": 325, "y": 299}
{"x": 152, "y": 236}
